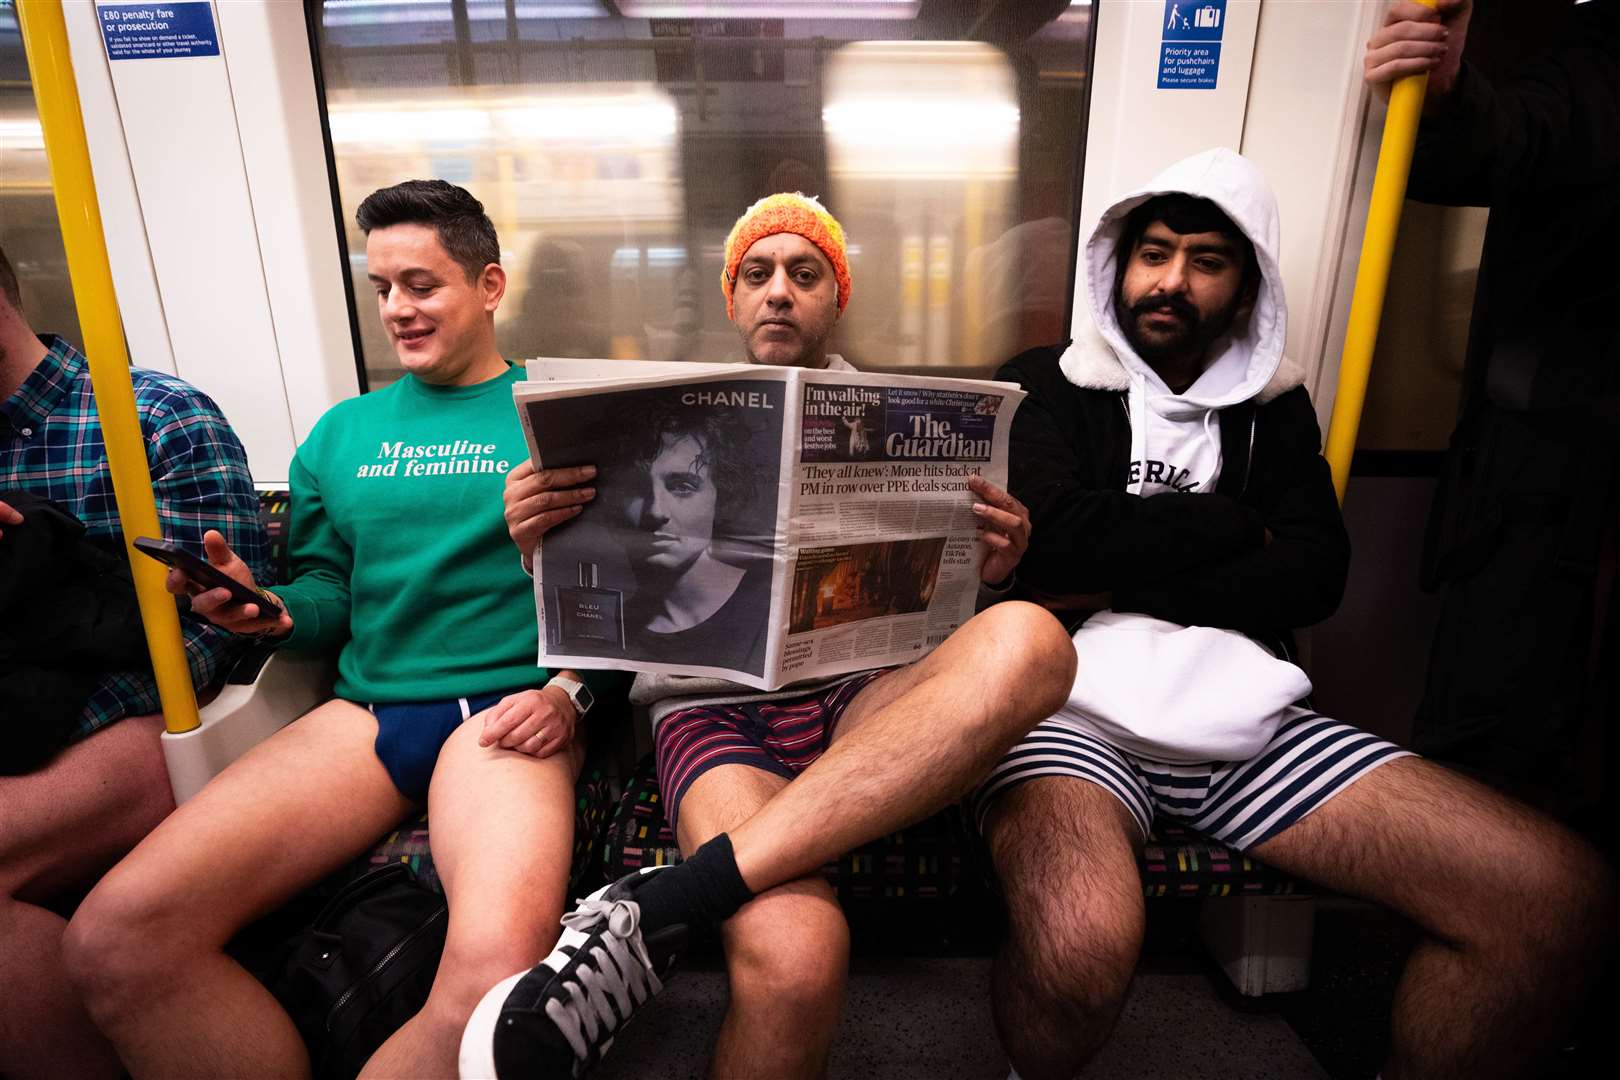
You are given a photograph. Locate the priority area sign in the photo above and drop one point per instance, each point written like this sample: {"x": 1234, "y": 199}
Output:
{"x": 1190, "y": 44}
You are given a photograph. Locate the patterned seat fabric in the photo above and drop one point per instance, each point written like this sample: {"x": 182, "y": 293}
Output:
{"x": 937, "y": 858}
{"x": 925, "y": 861}
{"x": 275, "y": 507}
{"x": 1177, "y": 861}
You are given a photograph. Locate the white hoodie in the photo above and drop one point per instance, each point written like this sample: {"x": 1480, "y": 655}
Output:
{"x": 1177, "y": 437}
{"x": 1156, "y": 689}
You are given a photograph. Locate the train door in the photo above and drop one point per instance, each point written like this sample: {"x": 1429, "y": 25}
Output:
{"x": 966, "y": 143}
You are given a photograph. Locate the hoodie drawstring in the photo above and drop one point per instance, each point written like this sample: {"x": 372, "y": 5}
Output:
{"x": 1137, "y": 409}
{"x": 1214, "y": 440}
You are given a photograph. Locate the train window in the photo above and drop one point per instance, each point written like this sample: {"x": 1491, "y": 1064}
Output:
{"x": 29, "y": 232}
{"x": 614, "y": 143}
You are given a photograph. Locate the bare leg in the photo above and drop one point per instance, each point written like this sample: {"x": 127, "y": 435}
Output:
{"x": 503, "y": 830}
{"x": 145, "y": 949}
{"x": 913, "y": 741}
{"x": 1065, "y": 854}
{"x": 60, "y": 828}
{"x": 787, "y": 950}
{"x": 1517, "y": 911}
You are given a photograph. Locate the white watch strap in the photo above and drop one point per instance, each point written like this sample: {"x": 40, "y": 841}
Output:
{"x": 571, "y": 687}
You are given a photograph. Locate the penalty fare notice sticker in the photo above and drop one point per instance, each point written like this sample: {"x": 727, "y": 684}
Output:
{"x": 158, "y": 31}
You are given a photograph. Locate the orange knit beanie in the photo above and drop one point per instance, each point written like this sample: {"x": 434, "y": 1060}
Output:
{"x": 787, "y": 213}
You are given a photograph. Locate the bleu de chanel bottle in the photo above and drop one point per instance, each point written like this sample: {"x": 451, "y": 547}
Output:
{"x": 588, "y": 615}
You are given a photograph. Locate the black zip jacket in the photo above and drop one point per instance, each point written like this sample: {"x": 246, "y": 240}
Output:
{"x": 1193, "y": 559}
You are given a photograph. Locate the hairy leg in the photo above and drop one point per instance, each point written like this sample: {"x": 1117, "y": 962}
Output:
{"x": 1518, "y": 913}
{"x": 146, "y": 948}
{"x": 787, "y": 950}
{"x": 1065, "y": 854}
{"x": 913, "y": 741}
{"x": 503, "y": 832}
{"x": 60, "y": 828}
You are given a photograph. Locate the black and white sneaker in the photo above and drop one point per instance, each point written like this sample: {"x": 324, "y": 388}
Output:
{"x": 561, "y": 1016}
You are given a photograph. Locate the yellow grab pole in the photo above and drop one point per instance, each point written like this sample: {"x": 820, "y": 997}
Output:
{"x": 45, "y": 41}
{"x": 1372, "y": 273}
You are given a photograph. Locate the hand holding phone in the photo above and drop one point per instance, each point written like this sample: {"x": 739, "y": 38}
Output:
{"x": 222, "y": 589}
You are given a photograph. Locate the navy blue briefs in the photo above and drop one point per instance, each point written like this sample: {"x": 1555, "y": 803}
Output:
{"x": 410, "y": 735}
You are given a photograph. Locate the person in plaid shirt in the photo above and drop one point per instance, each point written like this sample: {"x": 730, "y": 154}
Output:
{"x": 63, "y": 825}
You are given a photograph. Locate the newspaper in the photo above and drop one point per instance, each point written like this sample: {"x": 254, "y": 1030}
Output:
{"x": 763, "y": 525}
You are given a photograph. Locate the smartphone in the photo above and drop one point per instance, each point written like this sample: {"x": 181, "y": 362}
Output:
{"x": 204, "y": 573}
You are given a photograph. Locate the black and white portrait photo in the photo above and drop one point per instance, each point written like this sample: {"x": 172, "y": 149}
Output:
{"x": 671, "y": 562}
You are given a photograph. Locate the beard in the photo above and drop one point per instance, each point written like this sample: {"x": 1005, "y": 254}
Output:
{"x": 1194, "y": 336}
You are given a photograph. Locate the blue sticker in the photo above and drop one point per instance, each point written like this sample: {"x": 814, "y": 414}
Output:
{"x": 1189, "y": 67}
{"x": 1194, "y": 20}
{"x": 1190, "y": 49}
{"x": 158, "y": 31}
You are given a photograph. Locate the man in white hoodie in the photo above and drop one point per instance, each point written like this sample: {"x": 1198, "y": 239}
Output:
{"x": 1170, "y": 459}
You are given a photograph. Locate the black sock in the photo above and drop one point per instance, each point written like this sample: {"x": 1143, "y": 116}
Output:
{"x": 704, "y": 890}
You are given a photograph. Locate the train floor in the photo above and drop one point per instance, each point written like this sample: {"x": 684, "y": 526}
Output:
{"x": 928, "y": 1018}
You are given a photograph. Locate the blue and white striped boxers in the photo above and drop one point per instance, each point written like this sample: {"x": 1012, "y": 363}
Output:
{"x": 1308, "y": 761}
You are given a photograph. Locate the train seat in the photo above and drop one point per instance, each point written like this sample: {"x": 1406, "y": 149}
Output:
{"x": 1255, "y": 920}
{"x": 927, "y": 879}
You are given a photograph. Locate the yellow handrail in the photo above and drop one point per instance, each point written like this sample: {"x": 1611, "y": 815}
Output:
{"x": 1372, "y": 272}
{"x": 45, "y": 41}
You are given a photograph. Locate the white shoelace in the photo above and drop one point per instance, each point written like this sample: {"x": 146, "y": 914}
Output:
{"x": 621, "y": 969}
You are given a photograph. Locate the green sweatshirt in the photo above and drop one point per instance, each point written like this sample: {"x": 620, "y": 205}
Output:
{"x": 399, "y": 550}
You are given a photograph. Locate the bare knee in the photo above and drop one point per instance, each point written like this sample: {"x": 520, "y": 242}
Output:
{"x": 1567, "y": 898}
{"x": 1065, "y": 855}
{"x": 121, "y": 943}
{"x": 1032, "y": 654}
{"x": 795, "y": 966}
{"x": 1538, "y": 900}
{"x": 477, "y": 962}
{"x": 1070, "y": 963}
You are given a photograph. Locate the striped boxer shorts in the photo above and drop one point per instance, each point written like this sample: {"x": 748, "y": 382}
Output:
{"x": 1240, "y": 803}
{"x": 780, "y": 737}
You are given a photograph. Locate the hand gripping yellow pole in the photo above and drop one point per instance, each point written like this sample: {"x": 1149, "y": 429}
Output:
{"x": 1372, "y": 272}
{"x": 45, "y": 40}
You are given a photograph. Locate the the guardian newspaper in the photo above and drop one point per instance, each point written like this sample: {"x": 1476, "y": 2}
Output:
{"x": 765, "y": 525}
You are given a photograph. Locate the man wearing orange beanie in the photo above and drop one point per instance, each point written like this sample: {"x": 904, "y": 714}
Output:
{"x": 789, "y": 326}
{"x": 763, "y": 789}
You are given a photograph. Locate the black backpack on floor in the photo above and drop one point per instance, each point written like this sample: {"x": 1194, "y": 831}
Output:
{"x": 362, "y": 968}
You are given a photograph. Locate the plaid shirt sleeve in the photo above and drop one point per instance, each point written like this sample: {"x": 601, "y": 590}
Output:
{"x": 201, "y": 481}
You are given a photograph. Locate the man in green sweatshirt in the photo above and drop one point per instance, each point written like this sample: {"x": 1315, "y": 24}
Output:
{"x": 401, "y": 563}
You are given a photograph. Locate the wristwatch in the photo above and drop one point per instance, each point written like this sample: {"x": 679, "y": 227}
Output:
{"x": 577, "y": 692}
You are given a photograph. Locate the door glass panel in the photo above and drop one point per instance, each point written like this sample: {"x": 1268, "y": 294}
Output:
{"x": 614, "y": 144}
{"x": 29, "y": 231}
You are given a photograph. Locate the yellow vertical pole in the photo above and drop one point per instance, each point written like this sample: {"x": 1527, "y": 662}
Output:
{"x": 1372, "y": 272}
{"x": 45, "y": 41}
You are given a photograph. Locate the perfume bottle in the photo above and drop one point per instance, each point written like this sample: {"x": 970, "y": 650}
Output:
{"x": 587, "y": 615}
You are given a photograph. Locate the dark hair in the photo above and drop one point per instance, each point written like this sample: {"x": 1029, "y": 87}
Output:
{"x": 464, "y": 229}
{"x": 8, "y": 282}
{"x": 725, "y": 454}
{"x": 1183, "y": 214}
